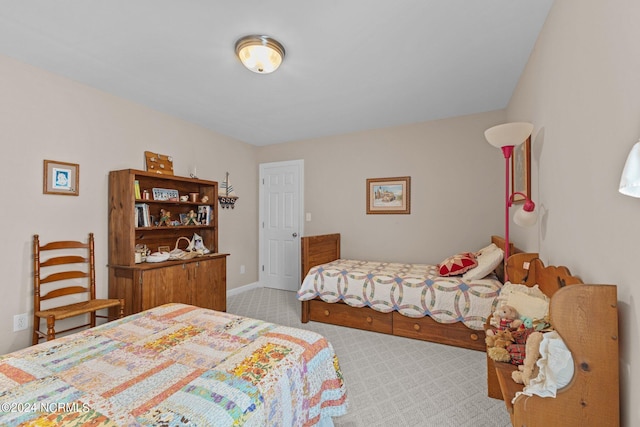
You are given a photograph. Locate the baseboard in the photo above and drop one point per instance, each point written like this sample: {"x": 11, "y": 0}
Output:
{"x": 241, "y": 289}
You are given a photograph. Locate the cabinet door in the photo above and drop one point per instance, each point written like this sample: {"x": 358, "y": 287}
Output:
{"x": 165, "y": 285}
{"x": 211, "y": 284}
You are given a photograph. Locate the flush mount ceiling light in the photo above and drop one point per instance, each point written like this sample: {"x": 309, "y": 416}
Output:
{"x": 260, "y": 54}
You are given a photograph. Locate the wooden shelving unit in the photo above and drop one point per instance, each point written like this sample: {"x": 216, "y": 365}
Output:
{"x": 199, "y": 281}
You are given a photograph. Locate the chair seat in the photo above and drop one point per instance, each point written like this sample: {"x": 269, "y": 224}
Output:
{"x": 76, "y": 309}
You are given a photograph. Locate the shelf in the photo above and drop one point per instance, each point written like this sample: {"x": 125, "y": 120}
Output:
{"x": 172, "y": 202}
{"x": 175, "y": 227}
{"x": 123, "y": 205}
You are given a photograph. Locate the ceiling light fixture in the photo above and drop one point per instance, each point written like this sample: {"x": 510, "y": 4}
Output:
{"x": 260, "y": 54}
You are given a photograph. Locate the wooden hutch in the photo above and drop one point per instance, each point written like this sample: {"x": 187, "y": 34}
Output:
{"x": 197, "y": 281}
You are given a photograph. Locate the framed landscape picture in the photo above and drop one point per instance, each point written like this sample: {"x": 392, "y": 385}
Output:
{"x": 389, "y": 195}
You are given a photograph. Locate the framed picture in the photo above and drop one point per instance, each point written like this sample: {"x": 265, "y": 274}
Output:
{"x": 389, "y": 195}
{"x": 521, "y": 171}
{"x": 61, "y": 178}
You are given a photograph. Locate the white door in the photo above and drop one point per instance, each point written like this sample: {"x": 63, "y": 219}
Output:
{"x": 281, "y": 206}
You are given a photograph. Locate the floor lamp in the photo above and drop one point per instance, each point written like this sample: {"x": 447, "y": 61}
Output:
{"x": 505, "y": 137}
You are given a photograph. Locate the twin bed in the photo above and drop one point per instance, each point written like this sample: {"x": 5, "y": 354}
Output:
{"x": 409, "y": 300}
{"x": 415, "y": 302}
{"x": 175, "y": 365}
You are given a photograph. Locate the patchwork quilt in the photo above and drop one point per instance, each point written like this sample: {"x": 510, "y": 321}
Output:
{"x": 175, "y": 365}
{"x": 414, "y": 290}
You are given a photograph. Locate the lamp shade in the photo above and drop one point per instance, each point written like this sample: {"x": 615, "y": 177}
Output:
{"x": 525, "y": 218}
{"x": 630, "y": 181}
{"x": 260, "y": 54}
{"x": 508, "y": 134}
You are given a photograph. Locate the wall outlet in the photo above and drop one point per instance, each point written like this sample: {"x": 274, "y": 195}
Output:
{"x": 20, "y": 322}
{"x": 242, "y": 270}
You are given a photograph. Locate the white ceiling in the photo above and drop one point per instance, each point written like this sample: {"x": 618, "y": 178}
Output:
{"x": 350, "y": 65}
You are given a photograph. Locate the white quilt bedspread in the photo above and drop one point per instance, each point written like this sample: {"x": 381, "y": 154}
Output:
{"x": 414, "y": 290}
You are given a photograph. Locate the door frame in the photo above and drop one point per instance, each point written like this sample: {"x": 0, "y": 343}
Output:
{"x": 301, "y": 216}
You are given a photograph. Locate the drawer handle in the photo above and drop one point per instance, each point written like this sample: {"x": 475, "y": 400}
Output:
{"x": 326, "y": 312}
{"x": 369, "y": 319}
{"x": 474, "y": 337}
{"x": 416, "y": 326}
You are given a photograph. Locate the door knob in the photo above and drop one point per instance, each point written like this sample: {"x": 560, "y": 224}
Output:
{"x": 295, "y": 234}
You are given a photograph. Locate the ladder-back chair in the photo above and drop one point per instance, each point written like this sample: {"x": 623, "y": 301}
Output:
{"x": 65, "y": 268}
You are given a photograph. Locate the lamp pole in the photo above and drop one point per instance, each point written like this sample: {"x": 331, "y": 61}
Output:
{"x": 507, "y": 151}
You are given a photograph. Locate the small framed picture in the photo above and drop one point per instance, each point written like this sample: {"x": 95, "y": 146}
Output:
{"x": 61, "y": 178}
{"x": 389, "y": 195}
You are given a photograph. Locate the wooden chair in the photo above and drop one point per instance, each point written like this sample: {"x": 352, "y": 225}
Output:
{"x": 76, "y": 282}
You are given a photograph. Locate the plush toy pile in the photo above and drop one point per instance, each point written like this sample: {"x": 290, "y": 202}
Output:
{"x": 509, "y": 341}
{"x": 529, "y": 368}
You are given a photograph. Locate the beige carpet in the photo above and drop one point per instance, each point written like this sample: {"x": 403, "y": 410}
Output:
{"x": 392, "y": 381}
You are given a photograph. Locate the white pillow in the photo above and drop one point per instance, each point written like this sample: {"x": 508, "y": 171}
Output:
{"x": 526, "y": 305}
{"x": 556, "y": 367}
{"x": 488, "y": 259}
{"x": 529, "y": 301}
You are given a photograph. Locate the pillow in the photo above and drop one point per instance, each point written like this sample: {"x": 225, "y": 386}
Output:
{"x": 528, "y": 301}
{"x": 457, "y": 264}
{"x": 556, "y": 367}
{"x": 532, "y": 307}
{"x": 488, "y": 259}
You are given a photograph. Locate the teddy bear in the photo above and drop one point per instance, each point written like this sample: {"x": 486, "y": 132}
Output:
{"x": 497, "y": 344}
{"x": 529, "y": 368}
{"x": 507, "y": 317}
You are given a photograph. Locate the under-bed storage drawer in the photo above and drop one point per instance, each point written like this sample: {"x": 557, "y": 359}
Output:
{"x": 345, "y": 315}
{"x": 427, "y": 329}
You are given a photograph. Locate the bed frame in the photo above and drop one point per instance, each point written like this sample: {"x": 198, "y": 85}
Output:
{"x": 586, "y": 317}
{"x": 325, "y": 248}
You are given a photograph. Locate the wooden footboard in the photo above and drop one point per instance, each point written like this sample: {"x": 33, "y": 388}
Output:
{"x": 317, "y": 250}
{"x": 322, "y": 249}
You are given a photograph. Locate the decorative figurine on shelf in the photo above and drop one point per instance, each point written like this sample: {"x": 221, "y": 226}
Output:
{"x": 192, "y": 218}
{"x": 165, "y": 218}
{"x": 204, "y": 199}
{"x": 197, "y": 245}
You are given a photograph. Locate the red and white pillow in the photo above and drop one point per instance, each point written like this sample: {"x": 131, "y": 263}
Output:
{"x": 457, "y": 264}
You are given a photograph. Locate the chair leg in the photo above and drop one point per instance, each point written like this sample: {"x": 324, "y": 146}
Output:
{"x": 51, "y": 333}
{"x": 36, "y": 327}
{"x": 92, "y": 319}
{"x": 121, "y": 308}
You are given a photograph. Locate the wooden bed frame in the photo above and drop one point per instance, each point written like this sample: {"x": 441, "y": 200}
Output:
{"x": 322, "y": 249}
{"x": 586, "y": 318}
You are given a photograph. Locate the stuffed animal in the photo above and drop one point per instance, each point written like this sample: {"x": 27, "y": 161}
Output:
{"x": 507, "y": 317}
{"x": 497, "y": 344}
{"x": 499, "y": 354}
{"x": 499, "y": 338}
{"x": 529, "y": 368}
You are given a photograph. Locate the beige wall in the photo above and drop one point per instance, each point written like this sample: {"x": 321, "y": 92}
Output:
{"x": 456, "y": 183}
{"x": 44, "y": 116}
{"x": 581, "y": 90}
